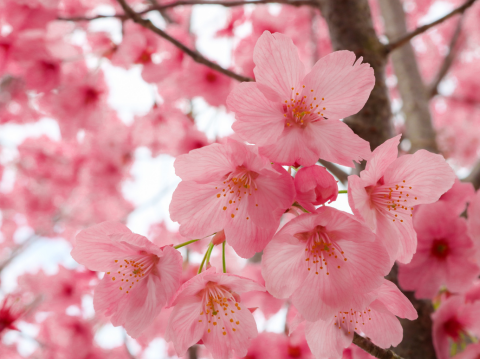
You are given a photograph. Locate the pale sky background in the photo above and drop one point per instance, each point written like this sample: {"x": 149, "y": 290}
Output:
{"x": 153, "y": 179}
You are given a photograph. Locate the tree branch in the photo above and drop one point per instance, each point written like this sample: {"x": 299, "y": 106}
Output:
{"x": 447, "y": 61}
{"x": 193, "y": 54}
{"x": 162, "y": 7}
{"x": 406, "y": 38}
{"x": 336, "y": 171}
{"x": 372, "y": 349}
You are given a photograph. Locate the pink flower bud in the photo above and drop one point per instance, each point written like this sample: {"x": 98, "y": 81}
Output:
{"x": 219, "y": 238}
{"x": 315, "y": 186}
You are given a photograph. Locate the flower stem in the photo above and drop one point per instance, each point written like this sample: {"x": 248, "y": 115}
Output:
{"x": 207, "y": 255}
{"x": 185, "y": 243}
{"x": 223, "y": 258}
{"x": 342, "y": 191}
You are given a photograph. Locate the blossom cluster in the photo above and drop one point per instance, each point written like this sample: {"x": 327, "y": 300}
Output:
{"x": 259, "y": 196}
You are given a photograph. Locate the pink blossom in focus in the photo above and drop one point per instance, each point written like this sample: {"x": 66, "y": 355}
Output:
{"x": 230, "y": 187}
{"x": 140, "y": 277}
{"x": 208, "y": 308}
{"x": 324, "y": 261}
{"x": 293, "y": 117}
{"x": 314, "y": 186}
{"x": 389, "y": 187}
{"x": 453, "y": 321}
{"x": 263, "y": 300}
{"x": 377, "y": 321}
{"x": 445, "y": 253}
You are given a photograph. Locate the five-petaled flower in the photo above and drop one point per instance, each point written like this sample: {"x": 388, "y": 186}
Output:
{"x": 325, "y": 261}
{"x": 231, "y": 187}
{"x": 387, "y": 190}
{"x": 293, "y": 116}
{"x": 140, "y": 279}
{"x": 208, "y": 308}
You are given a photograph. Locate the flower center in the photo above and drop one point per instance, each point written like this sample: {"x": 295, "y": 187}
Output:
{"x": 237, "y": 185}
{"x": 395, "y": 201}
{"x": 220, "y": 309}
{"x": 302, "y": 108}
{"x": 453, "y": 328}
{"x": 320, "y": 250}
{"x": 351, "y": 319}
{"x": 440, "y": 249}
{"x": 132, "y": 269}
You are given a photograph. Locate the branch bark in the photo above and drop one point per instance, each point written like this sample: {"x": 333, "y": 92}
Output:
{"x": 407, "y": 37}
{"x": 336, "y": 171}
{"x": 418, "y": 122}
{"x": 372, "y": 349}
{"x": 417, "y": 334}
{"x": 447, "y": 61}
{"x": 163, "y": 7}
{"x": 351, "y": 28}
{"x": 193, "y": 54}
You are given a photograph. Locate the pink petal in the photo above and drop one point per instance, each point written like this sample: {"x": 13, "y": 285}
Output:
{"x": 428, "y": 174}
{"x": 184, "y": 328}
{"x": 170, "y": 269}
{"x": 381, "y": 158}
{"x": 94, "y": 248}
{"x": 343, "y": 82}
{"x": 236, "y": 283}
{"x": 334, "y": 141}
{"x": 205, "y": 164}
{"x": 293, "y": 146}
{"x": 326, "y": 340}
{"x": 319, "y": 296}
{"x": 283, "y": 265}
{"x": 383, "y": 328}
{"x": 220, "y": 344}
{"x": 360, "y": 202}
{"x": 197, "y": 207}
{"x": 343, "y": 225}
{"x": 278, "y": 65}
{"x": 395, "y": 302}
{"x": 259, "y": 120}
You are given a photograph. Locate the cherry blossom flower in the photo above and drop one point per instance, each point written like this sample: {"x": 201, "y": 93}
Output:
{"x": 230, "y": 187}
{"x": 315, "y": 186}
{"x": 458, "y": 196}
{"x": 472, "y": 351}
{"x": 445, "y": 254}
{"x": 323, "y": 261}
{"x": 10, "y": 311}
{"x": 208, "y": 308}
{"x": 387, "y": 190}
{"x": 140, "y": 277}
{"x": 453, "y": 322}
{"x": 293, "y": 116}
{"x": 377, "y": 320}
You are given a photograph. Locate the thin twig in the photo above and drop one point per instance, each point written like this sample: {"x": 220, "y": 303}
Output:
{"x": 193, "y": 54}
{"x": 474, "y": 176}
{"x": 191, "y": 3}
{"x": 372, "y": 349}
{"x": 406, "y": 38}
{"x": 336, "y": 171}
{"x": 447, "y": 61}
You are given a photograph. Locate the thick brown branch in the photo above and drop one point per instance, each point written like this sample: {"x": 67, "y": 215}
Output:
{"x": 418, "y": 121}
{"x": 193, "y": 54}
{"x": 474, "y": 176}
{"x": 372, "y": 349}
{"x": 447, "y": 61}
{"x": 406, "y": 38}
{"x": 336, "y": 171}
{"x": 193, "y": 2}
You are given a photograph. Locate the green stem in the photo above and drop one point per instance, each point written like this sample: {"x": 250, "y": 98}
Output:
{"x": 296, "y": 204}
{"x": 209, "y": 250}
{"x": 209, "y": 253}
{"x": 342, "y": 191}
{"x": 185, "y": 243}
{"x": 223, "y": 258}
